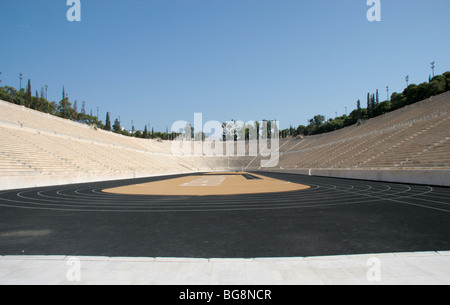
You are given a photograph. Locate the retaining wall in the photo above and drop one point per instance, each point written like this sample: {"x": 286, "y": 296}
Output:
{"x": 438, "y": 177}
{"x": 30, "y": 181}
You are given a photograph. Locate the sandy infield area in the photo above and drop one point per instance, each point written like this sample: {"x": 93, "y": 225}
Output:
{"x": 227, "y": 183}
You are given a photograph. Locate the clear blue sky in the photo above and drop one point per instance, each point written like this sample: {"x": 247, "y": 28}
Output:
{"x": 159, "y": 61}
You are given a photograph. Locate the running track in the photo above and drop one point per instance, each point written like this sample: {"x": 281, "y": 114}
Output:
{"x": 333, "y": 217}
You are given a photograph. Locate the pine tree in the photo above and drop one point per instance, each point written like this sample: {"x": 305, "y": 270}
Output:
{"x": 65, "y": 108}
{"x": 116, "y": 126}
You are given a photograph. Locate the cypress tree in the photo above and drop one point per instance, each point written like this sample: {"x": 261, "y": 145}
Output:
{"x": 358, "y": 107}
{"x": 108, "y": 122}
{"x": 42, "y": 102}
{"x": 28, "y": 95}
{"x": 145, "y": 135}
{"x": 372, "y": 104}
{"x": 83, "y": 111}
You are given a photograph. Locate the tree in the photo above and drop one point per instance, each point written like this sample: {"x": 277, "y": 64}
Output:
{"x": 398, "y": 100}
{"x": 64, "y": 108}
{"x": 358, "y": 108}
{"x": 35, "y": 101}
{"x": 52, "y": 108}
{"x": 317, "y": 120}
{"x": 145, "y": 135}
{"x": 423, "y": 92}
{"x": 4, "y": 95}
{"x": 108, "y": 123}
{"x": 301, "y": 130}
{"x": 188, "y": 132}
{"x": 83, "y": 112}
{"x": 353, "y": 117}
{"x": 268, "y": 127}
{"x": 316, "y": 125}
{"x": 438, "y": 85}
{"x": 372, "y": 104}
{"x": 411, "y": 94}
{"x": 43, "y": 104}
{"x": 28, "y": 97}
{"x": 447, "y": 80}
{"x": 116, "y": 126}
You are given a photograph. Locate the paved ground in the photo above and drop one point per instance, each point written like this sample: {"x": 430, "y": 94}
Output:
{"x": 333, "y": 217}
{"x": 429, "y": 268}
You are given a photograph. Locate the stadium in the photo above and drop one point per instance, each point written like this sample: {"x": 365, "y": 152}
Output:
{"x": 69, "y": 190}
{"x": 244, "y": 194}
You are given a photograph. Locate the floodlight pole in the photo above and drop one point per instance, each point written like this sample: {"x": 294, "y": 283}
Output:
{"x": 20, "y": 77}
{"x": 387, "y": 93}
{"x": 46, "y": 91}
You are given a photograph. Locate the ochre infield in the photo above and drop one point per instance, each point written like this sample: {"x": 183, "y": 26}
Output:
{"x": 226, "y": 183}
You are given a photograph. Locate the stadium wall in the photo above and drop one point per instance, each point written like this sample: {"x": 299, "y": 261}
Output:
{"x": 436, "y": 177}
{"x": 22, "y": 182}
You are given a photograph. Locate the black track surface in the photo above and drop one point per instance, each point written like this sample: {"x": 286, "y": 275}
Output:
{"x": 334, "y": 217}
